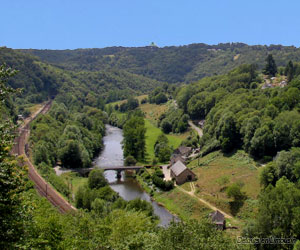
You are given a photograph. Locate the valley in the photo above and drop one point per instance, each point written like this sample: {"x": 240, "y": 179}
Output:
{"x": 237, "y": 137}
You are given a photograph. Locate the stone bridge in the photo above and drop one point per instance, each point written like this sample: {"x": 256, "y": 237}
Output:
{"x": 119, "y": 169}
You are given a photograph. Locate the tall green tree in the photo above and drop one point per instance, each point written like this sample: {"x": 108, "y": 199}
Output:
{"x": 270, "y": 68}
{"x": 134, "y": 138}
{"x": 278, "y": 215}
{"x": 12, "y": 176}
{"x": 289, "y": 71}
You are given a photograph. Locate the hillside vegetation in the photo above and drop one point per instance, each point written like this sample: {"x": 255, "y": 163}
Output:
{"x": 40, "y": 81}
{"x": 169, "y": 64}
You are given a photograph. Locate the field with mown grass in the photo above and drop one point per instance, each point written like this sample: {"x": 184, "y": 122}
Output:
{"x": 152, "y": 132}
{"x": 183, "y": 205}
{"x": 34, "y": 108}
{"x": 153, "y": 111}
{"x": 140, "y": 97}
{"x": 215, "y": 172}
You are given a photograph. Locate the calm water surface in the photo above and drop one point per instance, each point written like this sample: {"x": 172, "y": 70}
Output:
{"x": 127, "y": 187}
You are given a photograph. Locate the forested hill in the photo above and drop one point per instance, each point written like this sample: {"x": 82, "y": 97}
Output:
{"x": 170, "y": 64}
{"x": 40, "y": 80}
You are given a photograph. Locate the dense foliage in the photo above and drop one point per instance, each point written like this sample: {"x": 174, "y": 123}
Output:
{"x": 12, "y": 176}
{"x": 134, "y": 138}
{"x": 158, "y": 96}
{"x": 71, "y": 138}
{"x": 162, "y": 149}
{"x": 238, "y": 115}
{"x": 169, "y": 64}
{"x": 174, "y": 120}
{"x": 41, "y": 81}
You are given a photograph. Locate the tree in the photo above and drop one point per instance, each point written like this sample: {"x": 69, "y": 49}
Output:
{"x": 289, "y": 71}
{"x": 234, "y": 191}
{"x": 279, "y": 209}
{"x": 132, "y": 103}
{"x": 161, "y": 148}
{"x": 70, "y": 155}
{"x": 262, "y": 143}
{"x": 130, "y": 161}
{"x": 12, "y": 175}
{"x": 160, "y": 98}
{"x": 134, "y": 138}
{"x": 193, "y": 235}
{"x": 270, "y": 68}
{"x": 166, "y": 126}
{"x": 96, "y": 179}
{"x": 226, "y": 132}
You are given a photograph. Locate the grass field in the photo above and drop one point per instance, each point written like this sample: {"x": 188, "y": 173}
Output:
{"x": 75, "y": 179}
{"x": 153, "y": 111}
{"x": 34, "y": 108}
{"x": 122, "y": 101}
{"x": 185, "y": 206}
{"x": 215, "y": 172}
{"x": 151, "y": 136}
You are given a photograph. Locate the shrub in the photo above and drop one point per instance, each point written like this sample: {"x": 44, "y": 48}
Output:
{"x": 96, "y": 179}
{"x": 130, "y": 161}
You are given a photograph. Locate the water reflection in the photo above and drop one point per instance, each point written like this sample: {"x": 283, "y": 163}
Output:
{"x": 127, "y": 187}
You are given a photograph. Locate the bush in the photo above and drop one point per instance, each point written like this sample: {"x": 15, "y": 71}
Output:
{"x": 140, "y": 205}
{"x": 154, "y": 161}
{"x": 130, "y": 161}
{"x": 145, "y": 100}
{"x": 157, "y": 179}
{"x": 59, "y": 184}
{"x": 160, "y": 98}
{"x": 96, "y": 179}
{"x": 86, "y": 196}
{"x": 166, "y": 126}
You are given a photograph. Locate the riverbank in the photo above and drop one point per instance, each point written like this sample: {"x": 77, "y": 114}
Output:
{"x": 176, "y": 202}
{"x": 127, "y": 187}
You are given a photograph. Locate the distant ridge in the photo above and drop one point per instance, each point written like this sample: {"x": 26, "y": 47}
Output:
{"x": 171, "y": 64}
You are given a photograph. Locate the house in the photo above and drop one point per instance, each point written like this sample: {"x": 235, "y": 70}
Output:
{"x": 218, "y": 219}
{"x": 181, "y": 173}
{"x": 20, "y": 117}
{"x": 267, "y": 85}
{"x": 175, "y": 158}
{"x": 183, "y": 151}
{"x": 282, "y": 84}
{"x": 201, "y": 123}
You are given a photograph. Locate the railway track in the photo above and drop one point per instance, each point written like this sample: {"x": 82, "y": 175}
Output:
{"x": 43, "y": 188}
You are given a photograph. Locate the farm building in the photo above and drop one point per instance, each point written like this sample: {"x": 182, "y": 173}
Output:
{"x": 183, "y": 151}
{"x": 218, "y": 219}
{"x": 181, "y": 173}
{"x": 175, "y": 158}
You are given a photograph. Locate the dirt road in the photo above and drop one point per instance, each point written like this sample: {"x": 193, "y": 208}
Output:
{"x": 192, "y": 193}
{"x": 199, "y": 130}
{"x": 41, "y": 185}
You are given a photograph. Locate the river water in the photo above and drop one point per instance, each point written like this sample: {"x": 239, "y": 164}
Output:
{"x": 127, "y": 187}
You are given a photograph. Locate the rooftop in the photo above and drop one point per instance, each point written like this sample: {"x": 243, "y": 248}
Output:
{"x": 217, "y": 217}
{"x": 178, "y": 168}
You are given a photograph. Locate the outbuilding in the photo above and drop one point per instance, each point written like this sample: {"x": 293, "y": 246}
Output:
{"x": 183, "y": 151}
{"x": 175, "y": 158}
{"x": 218, "y": 219}
{"x": 181, "y": 173}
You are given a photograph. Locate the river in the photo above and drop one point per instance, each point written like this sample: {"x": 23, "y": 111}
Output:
{"x": 127, "y": 187}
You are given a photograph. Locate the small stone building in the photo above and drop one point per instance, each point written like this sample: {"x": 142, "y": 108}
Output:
{"x": 181, "y": 173}
{"x": 175, "y": 158}
{"x": 183, "y": 151}
{"x": 218, "y": 219}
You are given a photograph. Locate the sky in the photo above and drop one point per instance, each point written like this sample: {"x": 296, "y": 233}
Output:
{"x": 71, "y": 24}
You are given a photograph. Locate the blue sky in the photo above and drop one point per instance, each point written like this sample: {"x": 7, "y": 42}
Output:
{"x": 66, "y": 24}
